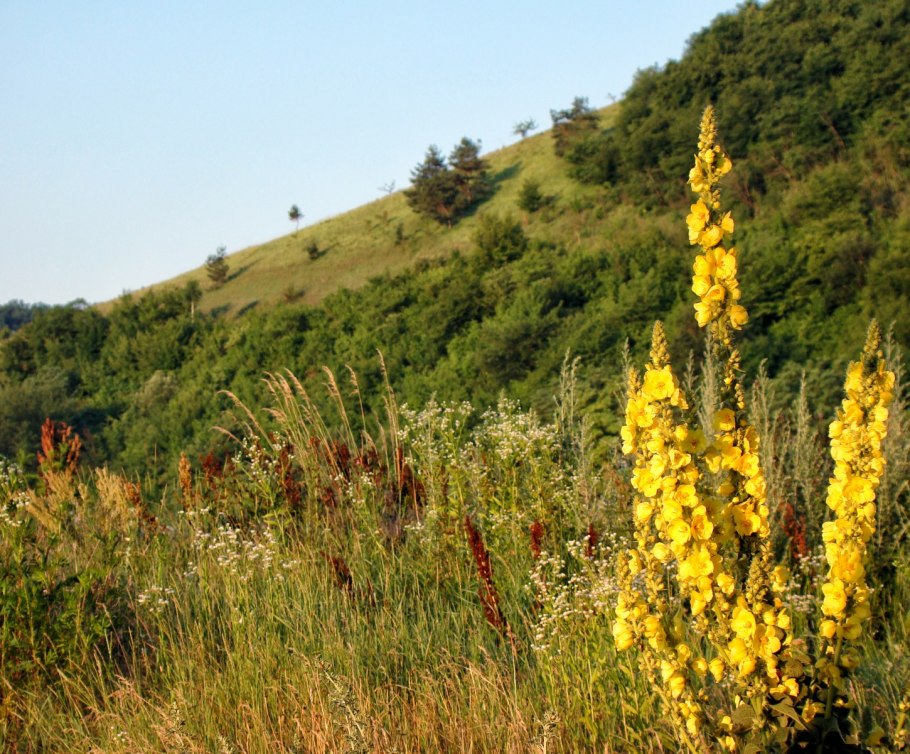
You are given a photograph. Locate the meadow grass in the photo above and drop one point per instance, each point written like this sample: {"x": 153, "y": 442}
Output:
{"x": 350, "y": 617}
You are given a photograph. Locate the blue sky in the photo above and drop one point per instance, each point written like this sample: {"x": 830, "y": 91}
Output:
{"x": 137, "y": 136}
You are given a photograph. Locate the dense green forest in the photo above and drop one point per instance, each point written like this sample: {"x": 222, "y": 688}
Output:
{"x": 813, "y": 98}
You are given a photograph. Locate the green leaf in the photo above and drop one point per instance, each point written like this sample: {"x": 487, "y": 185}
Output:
{"x": 785, "y": 708}
{"x": 794, "y": 668}
{"x": 743, "y": 717}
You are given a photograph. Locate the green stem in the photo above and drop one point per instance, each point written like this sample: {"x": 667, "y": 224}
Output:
{"x": 829, "y": 700}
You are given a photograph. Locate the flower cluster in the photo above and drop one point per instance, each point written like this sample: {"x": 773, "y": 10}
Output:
{"x": 666, "y": 477}
{"x": 701, "y": 515}
{"x": 752, "y": 628}
{"x": 673, "y": 531}
{"x": 572, "y": 589}
{"x": 856, "y": 438}
{"x": 714, "y": 281}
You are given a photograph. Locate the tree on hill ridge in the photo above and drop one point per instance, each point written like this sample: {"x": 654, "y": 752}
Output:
{"x": 524, "y": 127}
{"x": 470, "y": 170}
{"x": 294, "y": 215}
{"x": 445, "y": 191}
{"x": 216, "y": 267}
{"x": 572, "y": 124}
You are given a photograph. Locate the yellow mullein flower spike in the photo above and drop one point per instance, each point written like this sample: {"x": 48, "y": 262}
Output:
{"x": 856, "y": 436}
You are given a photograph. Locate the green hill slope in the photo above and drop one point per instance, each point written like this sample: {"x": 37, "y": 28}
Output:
{"x": 362, "y": 243}
{"x": 820, "y": 191}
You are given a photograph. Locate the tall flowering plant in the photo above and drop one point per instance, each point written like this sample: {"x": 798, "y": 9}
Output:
{"x": 856, "y": 436}
{"x": 699, "y": 591}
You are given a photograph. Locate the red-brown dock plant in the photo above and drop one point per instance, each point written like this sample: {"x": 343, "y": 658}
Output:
{"x": 489, "y": 595}
{"x": 60, "y": 448}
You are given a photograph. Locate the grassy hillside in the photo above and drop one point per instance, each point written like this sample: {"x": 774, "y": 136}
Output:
{"x": 361, "y": 244}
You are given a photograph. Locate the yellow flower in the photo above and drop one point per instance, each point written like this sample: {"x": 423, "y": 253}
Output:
{"x": 787, "y": 687}
{"x": 661, "y": 552}
{"x": 716, "y": 293}
{"x": 711, "y": 236}
{"x": 725, "y": 420}
{"x": 858, "y": 490}
{"x": 697, "y": 178}
{"x": 717, "y": 667}
{"x": 726, "y": 583}
{"x": 698, "y": 217}
{"x": 676, "y": 683}
{"x": 691, "y": 440}
{"x": 854, "y": 381}
{"x": 738, "y": 316}
{"x": 835, "y": 598}
{"x": 704, "y": 313}
{"x": 644, "y": 510}
{"x": 623, "y": 636}
{"x": 767, "y": 642}
{"x": 747, "y": 521}
{"x": 698, "y": 563}
{"x": 653, "y": 627}
{"x": 780, "y": 577}
{"x": 701, "y": 525}
{"x": 659, "y": 384}
{"x": 704, "y": 266}
{"x": 743, "y": 622}
{"x": 740, "y": 656}
{"x": 701, "y": 285}
{"x": 725, "y": 265}
{"x": 849, "y": 567}
{"x": 679, "y": 531}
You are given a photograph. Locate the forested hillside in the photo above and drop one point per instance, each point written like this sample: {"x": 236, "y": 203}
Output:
{"x": 813, "y": 100}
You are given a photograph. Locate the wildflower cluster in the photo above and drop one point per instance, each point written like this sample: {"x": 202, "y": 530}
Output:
{"x": 702, "y": 517}
{"x": 13, "y": 494}
{"x": 571, "y": 589}
{"x": 156, "y": 598}
{"x": 715, "y": 280}
{"x": 672, "y": 527}
{"x": 752, "y": 630}
{"x": 856, "y": 438}
{"x": 227, "y": 549}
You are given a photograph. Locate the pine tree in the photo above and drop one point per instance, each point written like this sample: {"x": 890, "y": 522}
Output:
{"x": 434, "y": 191}
{"x": 470, "y": 174}
{"x": 445, "y": 191}
{"x": 216, "y": 267}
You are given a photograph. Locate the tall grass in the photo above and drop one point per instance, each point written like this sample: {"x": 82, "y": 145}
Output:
{"x": 349, "y": 617}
